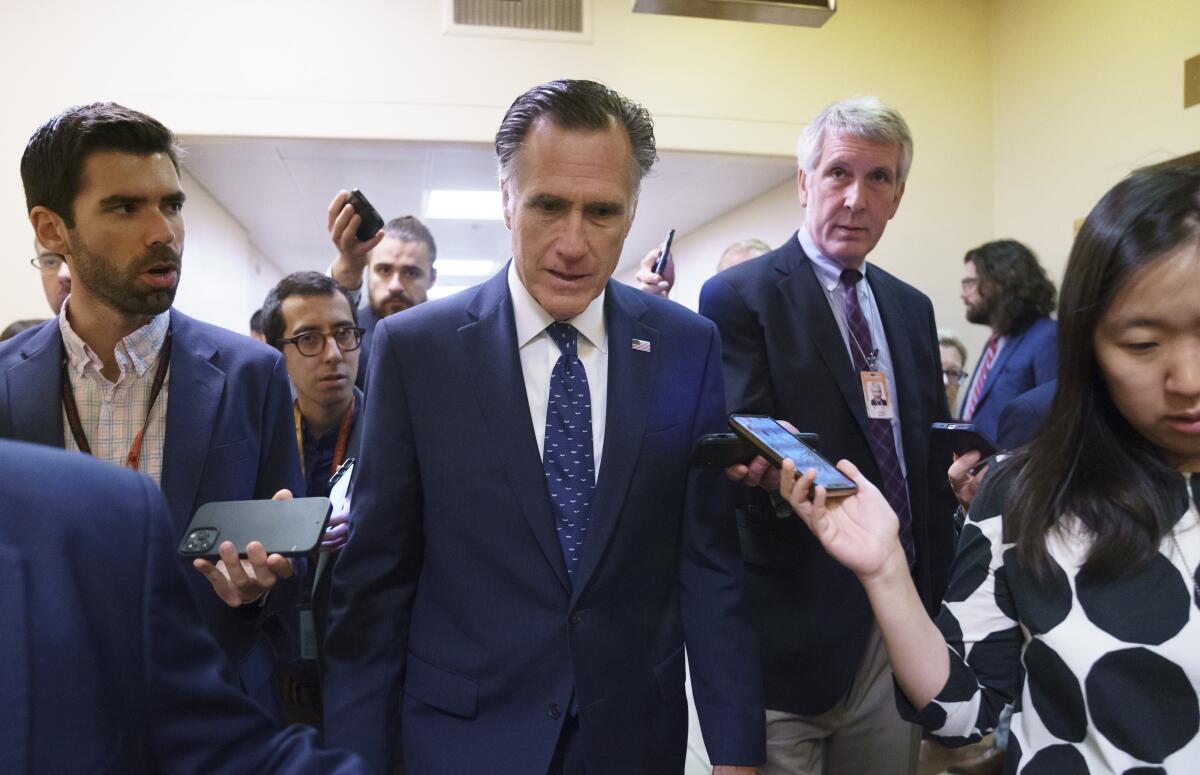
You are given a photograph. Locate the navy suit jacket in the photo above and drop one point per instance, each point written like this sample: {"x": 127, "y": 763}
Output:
{"x": 453, "y": 584}
{"x": 107, "y": 665}
{"x": 230, "y": 436}
{"x": 368, "y": 322}
{"x": 1028, "y": 359}
{"x": 1023, "y": 417}
{"x": 785, "y": 357}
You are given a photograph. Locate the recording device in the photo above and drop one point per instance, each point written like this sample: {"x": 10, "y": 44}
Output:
{"x": 727, "y": 449}
{"x": 776, "y": 443}
{"x": 371, "y": 221}
{"x": 288, "y": 527}
{"x": 661, "y": 263}
{"x": 948, "y": 439}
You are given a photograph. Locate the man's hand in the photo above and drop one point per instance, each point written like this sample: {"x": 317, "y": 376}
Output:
{"x": 658, "y": 284}
{"x": 758, "y": 472}
{"x": 238, "y": 582}
{"x": 964, "y": 484}
{"x": 338, "y": 530}
{"x": 344, "y": 221}
{"x": 727, "y": 770}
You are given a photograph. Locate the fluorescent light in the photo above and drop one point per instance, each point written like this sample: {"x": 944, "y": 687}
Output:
{"x": 441, "y": 291}
{"x": 465, "y": 205}
{"x": 464, "y": 267}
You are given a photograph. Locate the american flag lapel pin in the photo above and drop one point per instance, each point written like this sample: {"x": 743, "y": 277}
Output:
{"x": 641, "y": 345}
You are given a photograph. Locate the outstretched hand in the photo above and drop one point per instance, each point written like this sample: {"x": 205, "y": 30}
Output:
{"x": 861, "y": 531}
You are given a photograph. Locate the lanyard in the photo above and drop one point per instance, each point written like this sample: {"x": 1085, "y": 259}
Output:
{"x": 339, "y": 449}
{"x": 133, "y": 458}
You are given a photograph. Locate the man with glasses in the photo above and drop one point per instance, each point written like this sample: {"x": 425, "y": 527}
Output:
{"x": 56, "y": 276}
{"x": 311, "y": 320}
{"x": 954, "y": 358}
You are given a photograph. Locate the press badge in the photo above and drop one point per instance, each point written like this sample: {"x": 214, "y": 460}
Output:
{"x": 876, "y": 395}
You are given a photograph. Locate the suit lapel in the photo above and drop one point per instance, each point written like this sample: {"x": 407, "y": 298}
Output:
{"x": 998, "y": 366}
{"x": 809, "y": 311}
{"x": 196, "y": 386}
{"x": 490, "y": 344}
{"x": 33, "y": 389}
{"x": 630, "y": 380}
{"x": 14, "y": 650}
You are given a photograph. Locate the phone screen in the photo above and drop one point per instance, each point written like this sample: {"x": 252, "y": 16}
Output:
{"x": 779, "y": 440}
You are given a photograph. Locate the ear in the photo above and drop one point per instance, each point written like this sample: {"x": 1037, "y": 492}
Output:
{"x": 801, "y": 180}
{"x": 432, "y": 276}
{"x": 50, "y": 230}
{"x": 506, "y": 198}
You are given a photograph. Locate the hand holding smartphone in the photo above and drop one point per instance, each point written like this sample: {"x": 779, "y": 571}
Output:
{"x": 290, "y": 527}
{"x": 776, "y": 443}
{"x": 372, "y": 222}
{"x": 661, "y": 263}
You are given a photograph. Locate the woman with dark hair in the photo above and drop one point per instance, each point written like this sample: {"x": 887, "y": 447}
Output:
{"x": 1075, "y": 593}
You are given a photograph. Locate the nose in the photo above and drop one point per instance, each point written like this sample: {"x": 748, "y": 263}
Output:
{"x": 332, "y": 353}
{"x": 571, "y": 242}
{"x": 854, "y": 200}
{"x": 161, "y": 229}
{"x": 64, "y": 275}
{"x": 396, "y": 281}
{"x": 1183, "y": 378}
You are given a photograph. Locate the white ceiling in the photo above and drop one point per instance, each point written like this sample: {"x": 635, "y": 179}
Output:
{"x": 280, "y": 189}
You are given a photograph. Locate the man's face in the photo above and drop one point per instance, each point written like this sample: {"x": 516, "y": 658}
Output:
{"x": 972, "y": 296}
{"x": 850, "y": 196}
{"x": 326, "y": 379}
{"x": 56, "y": 284}
{"x": 126, "y": 247}
{"x": 569, "y": 204}
{"x": 399, "y": 276}
{"x": 952, "y": 373}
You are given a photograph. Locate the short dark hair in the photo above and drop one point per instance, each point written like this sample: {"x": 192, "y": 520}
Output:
{"x": 52, "y": 165}
{"x": 256, "y": 321}
{"x": 297, "y": 284}
{"x": 408, "y": 228}
{"x": 1088, "y": 460}
{"x": 1013, "y": 283}
{"x": 573, "y": 104}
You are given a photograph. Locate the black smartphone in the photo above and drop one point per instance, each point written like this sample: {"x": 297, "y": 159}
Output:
{"x": 776, "y": 443}
{"x": 947, "y": 439}
{"x": 288, "y": 527}
{"x": 727, "y": 449}
{"x": 661, "y": 263}
{"x": 371, "y": 221}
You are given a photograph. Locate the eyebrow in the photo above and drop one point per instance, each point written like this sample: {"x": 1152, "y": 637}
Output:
{"x": 1139, "y": 322}
{"x": 125, "y": 199}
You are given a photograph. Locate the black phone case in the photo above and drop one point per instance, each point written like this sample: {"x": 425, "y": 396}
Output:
{"x": 371, "y": 220}
{"x": 726, "y": 449}
{"x": 947, "y": 439}
{"x": 288, "y": 527}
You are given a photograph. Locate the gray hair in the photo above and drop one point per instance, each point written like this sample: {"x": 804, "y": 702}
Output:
{"x": 750, "y": 248}
{"x": 573, "y": 104}
{"x": 868, "y": 118}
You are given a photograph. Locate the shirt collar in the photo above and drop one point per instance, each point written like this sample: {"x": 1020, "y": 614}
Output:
{"x": 829, "y": 272}
{"x": 532, "y": 319}
{"x": 139, "y": 348}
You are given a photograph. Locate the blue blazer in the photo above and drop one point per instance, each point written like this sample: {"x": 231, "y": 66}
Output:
{"x": 451, "y": 603}
{"x": 785, "y": 357}
{"x": 107, "y": 665}
{"x": 1023, "y": 417}
{"x": 1028, "y": 359}
{"x": 230, "y": 436}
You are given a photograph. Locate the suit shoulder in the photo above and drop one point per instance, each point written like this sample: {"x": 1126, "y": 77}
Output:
{"x": 234, "y": 347}
{"x": 887, "y": 282}
{"x": 11, "y": 349}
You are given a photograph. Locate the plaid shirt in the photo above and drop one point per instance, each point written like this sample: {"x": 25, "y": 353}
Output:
{"x": 112, "y": 413}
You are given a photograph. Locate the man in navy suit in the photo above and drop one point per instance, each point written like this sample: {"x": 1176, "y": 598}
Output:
{"x": 529, "y": 550}
{"x": 1005, "y": 288}
{"x": 205, "y": 412}
{"x": 108, "y": 667}
{"x": 810, "y": 333}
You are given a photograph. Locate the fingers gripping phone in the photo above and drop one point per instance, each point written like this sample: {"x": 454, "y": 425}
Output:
{"x": 661, "y": 263}
{"x": 371, "y": 220}
{"x": 288, "y": 527}
{"x": 776, "y": 443}
{"x": 728, "y": 449}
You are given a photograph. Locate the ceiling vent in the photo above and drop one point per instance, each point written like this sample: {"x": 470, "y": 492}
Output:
{"x": 801, "y": 13}
{"x": 540, "y": 19}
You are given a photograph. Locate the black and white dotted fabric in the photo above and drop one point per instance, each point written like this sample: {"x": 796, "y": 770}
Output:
{"x": 1104, "y": 677}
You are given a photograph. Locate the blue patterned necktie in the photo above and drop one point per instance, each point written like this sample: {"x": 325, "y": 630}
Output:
{"x": 567, "y": 455}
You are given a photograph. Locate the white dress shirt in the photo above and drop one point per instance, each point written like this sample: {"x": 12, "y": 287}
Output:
{"x": 112, "y": 413}
{"x": 539, "y": 353}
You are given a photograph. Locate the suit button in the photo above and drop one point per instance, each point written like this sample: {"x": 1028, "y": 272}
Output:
{"x": 553, "y": 710}
{"x": 576, "y": 618}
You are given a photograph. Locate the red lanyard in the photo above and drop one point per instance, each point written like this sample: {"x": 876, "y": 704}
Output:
{"x": 339, "y": 448}
{"x": 133, "y": 458}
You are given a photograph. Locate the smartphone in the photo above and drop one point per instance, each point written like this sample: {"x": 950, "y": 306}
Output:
{"x": 947, "y": 439}
{"x": 661, "y": 263}
{"x": 371, "y": 222}
{"x": 726, "y": 449}
{"x": 776, "y": 443}
{"x": 288, "y": 527}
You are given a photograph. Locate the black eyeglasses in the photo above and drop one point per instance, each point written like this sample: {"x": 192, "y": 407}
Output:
{"x": 312, "y": 343}
{"x": 47, "y": 263}
{"x": 954, "y": 376}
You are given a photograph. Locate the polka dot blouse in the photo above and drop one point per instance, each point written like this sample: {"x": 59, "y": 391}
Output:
{"x": 1103, "y": 677}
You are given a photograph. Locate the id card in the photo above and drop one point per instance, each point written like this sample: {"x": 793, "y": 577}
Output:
{"x": 876, "y": 395}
